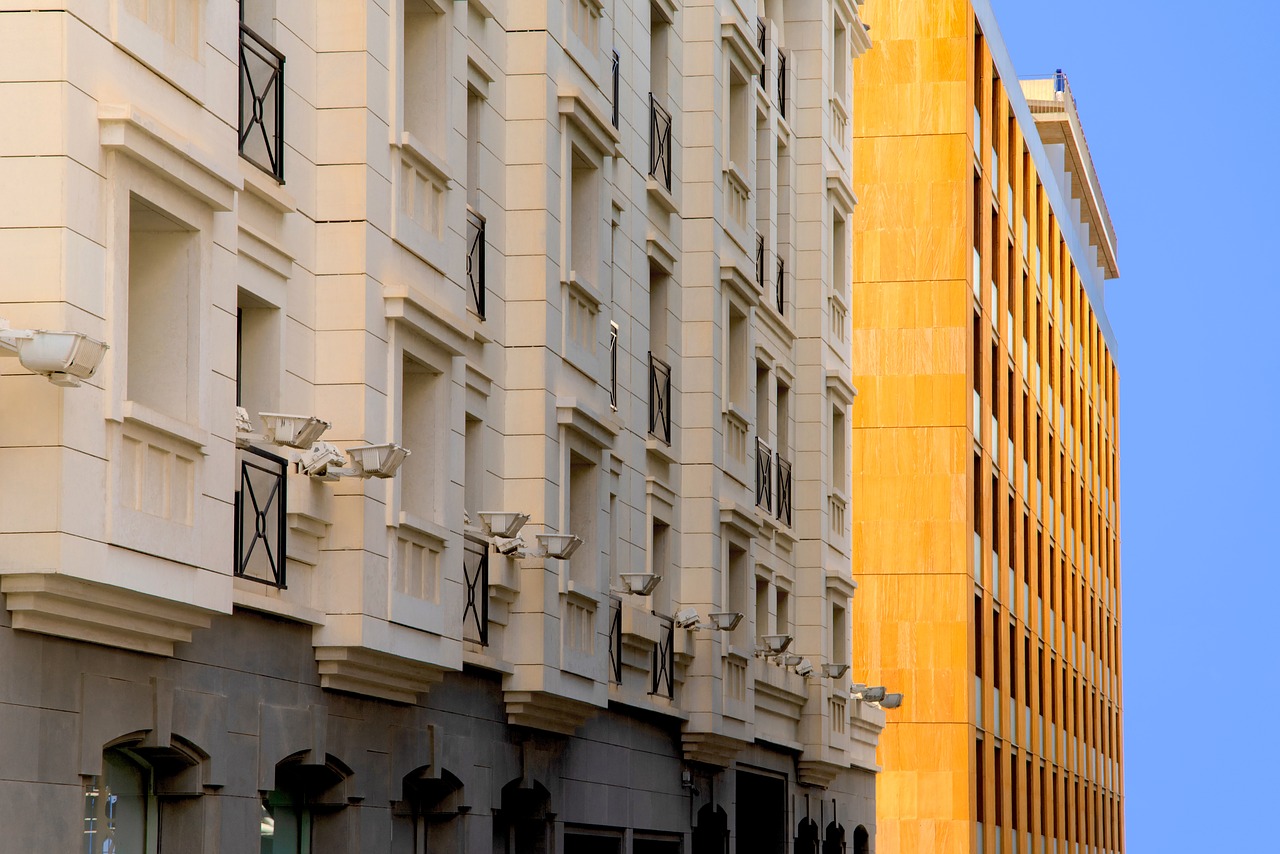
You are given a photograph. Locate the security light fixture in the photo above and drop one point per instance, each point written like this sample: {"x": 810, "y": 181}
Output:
{"x": 724, "y": 621}
{"x": 790, "y": 660}
{"x": 558, "y": 546}
{"x": 640, "y": 583}
{"x": 321, "y": 460}
{"x": 804, "y": 668}
{"x": 502, "y": 523}
{"x": 376, "y": 460}
{"x": 834, "y": 671}
{"x": 687, "y": 618}
{"x": 508, "y": 545}
{"x": 891, "y": 701}
{"x": 776, "y": 644}
{"x": 867, "y": 694}
{"x": 294, "y": 431}
{"x": 63, "y": 358}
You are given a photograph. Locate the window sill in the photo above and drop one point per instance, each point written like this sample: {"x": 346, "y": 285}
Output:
{"x": 661, "y": 195}
{"x": 176, "y": 428}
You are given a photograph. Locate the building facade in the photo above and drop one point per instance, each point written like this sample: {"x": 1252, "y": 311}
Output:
{"x": 588, "y": 262}
{"x": 985, "y": 520}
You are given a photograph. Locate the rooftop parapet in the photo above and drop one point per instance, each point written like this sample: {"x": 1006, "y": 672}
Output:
{"x": 1058, "y": 123}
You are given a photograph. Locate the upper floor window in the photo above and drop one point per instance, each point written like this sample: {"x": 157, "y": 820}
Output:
{"x": 424, "y": 73}
{"x": 163, "y": 262}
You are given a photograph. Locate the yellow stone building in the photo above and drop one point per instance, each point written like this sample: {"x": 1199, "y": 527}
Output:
{"x": 985, "y": 441}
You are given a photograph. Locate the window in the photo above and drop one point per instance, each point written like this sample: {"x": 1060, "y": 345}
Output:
{"x": 736, "y": 593}
{"x": 474, "y": 468}
{"x": 584, "y": 219}
{"x": 120, "y": 811}
{"x": 840, "y": 59}
{"x": 739, "y": 115}
{"x": 762, "y": 606}
{"x": 424, "y": 430}
{"x": 839, "y": 256}
{"x": 583, "y": 495}
{"x": 475, "y": 112}
{"x": 782, "y": 617}
{"x": 762, "y": 401}
{"x": 424, "y": 70}
{"x": 660, "y": 565}
{"x": 784, "y": 419}
{"x": 839, "y": 440}
{"x": 258, "y": 357}
{"x": 736, "y": 358}
{"x": 658, "y": 313}
{"x": 160, "y": 355}
{"x": 659, "y": 57}
{"x": 839, "y": 634}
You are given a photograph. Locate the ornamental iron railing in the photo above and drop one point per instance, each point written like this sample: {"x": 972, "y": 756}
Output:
{"x": 261, "y": 103}
{"x": 762, "y": 42}
{"x": 764, "y": 476}
{"x": 617, "y": 87}
{"x": 780, "y": 293}
{"x": 261, "y": 526}
{"x": 659, "y": 142}
{"x": 760, "y": 261}
{"x": 659, "y": 399}
{"x": 784, "y": 490}
{"x": 613, "y": 365}
{"x": 475, "y": 573}
{"x": 782, "y": 83}
{"x": 664, "y": 660}
{"x": 615, "y": 641}
{"x": 475, "y": 261}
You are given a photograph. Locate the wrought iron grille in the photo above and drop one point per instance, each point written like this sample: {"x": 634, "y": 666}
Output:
{"x": 784, "y": 490}
{"x": 780, "y": 293}
{"x": 664, "y": 660}
{"x": 660, "y": 399}
{"x": 762, "y": 42}
{"x": 782, "y": 83}
{"x": 260, "y": 509}
{"x": 764, "y": 476}
{"x": 615, "y": 641}
{"x": 261, "y": 103}
{"x": 475, "y": 261}
{"x": 475, "y": 572}
{"x": 760, "y": 261}
{"x": 613, "y": 365}
{"x": 659, "y": 142}
{"x": 617, "y": 80}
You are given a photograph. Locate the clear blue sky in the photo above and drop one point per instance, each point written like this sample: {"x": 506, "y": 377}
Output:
{"x": 1180, "y": 102}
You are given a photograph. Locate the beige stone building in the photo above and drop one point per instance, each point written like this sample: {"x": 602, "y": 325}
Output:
{"x": 588, "y": 262}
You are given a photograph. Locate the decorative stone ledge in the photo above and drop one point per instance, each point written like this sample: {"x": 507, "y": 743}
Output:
{"x": 546, "y": 711}
{"x": 817, "y": 772}
{"x": 357, "y": 670}
{"x": 710, "y": 748}
{"x": 54, "y": 604}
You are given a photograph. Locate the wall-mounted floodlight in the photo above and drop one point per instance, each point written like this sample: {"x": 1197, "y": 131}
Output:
{"x": 687, "y": 618}
{"x": 639, "y": 583}
{"x": 790, "y": 660}
{"x": 293, "y": 431}
{"x": 804, "y": 668}
{"x": 321, "y": 460}
{"x": 868, "y": 695}
{"x": 891, "y": 701}
{"x": 558, "y": 546}
{"x": 776, "y": 644}
{"x": 724, "y": 621}
{"x": 834, "y": 671}
{"x": 502, "y": 523}
{"x": 377, "y": 460}
{"x": 508, "y": 545}
{"x": 63, "y": 358}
